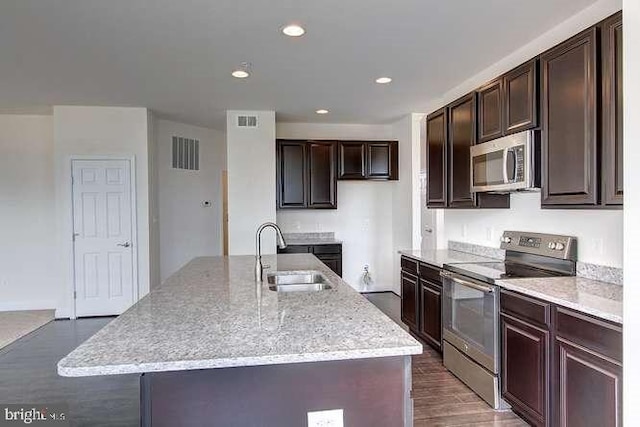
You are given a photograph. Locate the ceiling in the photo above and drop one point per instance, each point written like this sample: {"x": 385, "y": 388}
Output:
{"x": 176, "y": 57}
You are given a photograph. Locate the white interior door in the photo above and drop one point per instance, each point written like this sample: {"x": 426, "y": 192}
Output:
{"x": 102, "y": 226}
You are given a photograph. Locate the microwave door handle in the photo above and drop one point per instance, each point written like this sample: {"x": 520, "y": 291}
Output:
{"x": 505, "y": 156}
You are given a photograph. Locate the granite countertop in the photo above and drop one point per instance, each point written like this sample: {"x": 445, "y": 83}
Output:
{"x": 599, "y": 299}
{"x": 315, "y": 238}
{"x": 440, "y": 257}
{"x": 211, "y": 314}
{"x": 312, "y": 241}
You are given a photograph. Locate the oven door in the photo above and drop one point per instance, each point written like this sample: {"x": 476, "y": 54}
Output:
{"x": 470, "y": 318}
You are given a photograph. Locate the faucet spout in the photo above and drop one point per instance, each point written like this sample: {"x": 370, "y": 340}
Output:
{"x": 281, "y": 244}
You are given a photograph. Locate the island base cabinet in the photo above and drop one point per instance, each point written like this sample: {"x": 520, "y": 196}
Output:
{"x": 371, "y": 392}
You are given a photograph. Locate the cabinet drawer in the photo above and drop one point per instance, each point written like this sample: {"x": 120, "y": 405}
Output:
{"x": 327, "y": 249}
{"x": 409, "y": 265}
{"x": 525, "y": 308}
{"x": 295, "y": 249}
{"x": 430, "y": 273}
{"x": 593, "y": 334}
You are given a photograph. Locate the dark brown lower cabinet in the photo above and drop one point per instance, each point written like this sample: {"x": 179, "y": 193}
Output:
{"x": 560, "y": 367}
{"x": 525, "y": 368}
{"x": 329, "y": 254}
{"x": 431, "y": 313}
{"x": 409, "y": 306}
{"x": 590, "y": 388}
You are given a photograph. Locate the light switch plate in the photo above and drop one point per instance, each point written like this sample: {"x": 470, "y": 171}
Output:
{"x": 328, "y": 418}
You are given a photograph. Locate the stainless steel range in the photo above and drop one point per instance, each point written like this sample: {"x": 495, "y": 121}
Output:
{"x": 471, "y": 304}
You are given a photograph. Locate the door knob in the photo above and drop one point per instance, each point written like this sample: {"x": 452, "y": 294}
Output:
{"x": 125, "y": 244}
{"x": 428, "y": 230}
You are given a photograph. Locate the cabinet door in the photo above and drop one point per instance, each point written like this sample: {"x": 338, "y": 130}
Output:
{"x": 612, "y": 174}
{"x": 292, "y": 174}
{"x": 521, "y": 101}
{"x": 351, "y": 163}
{"x": 525, "y": 368}
{"x": 382, "y": 160}
{"x": 569, "y": 140}
{"x": 431, "y": 313}
{"x": 322, "y": 175}
{"x": 490, "y": 111}
{"x": 589, "y": 388}
{"x": 462, "y": 132}
{"x": 408, "y": 309}
{"x": 437, "y": 159}
{"x": 334, "y": 262}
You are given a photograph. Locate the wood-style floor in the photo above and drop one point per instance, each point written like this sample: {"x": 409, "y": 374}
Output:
{"x": 28, "y": 375}
{"x": 439, "y": 398}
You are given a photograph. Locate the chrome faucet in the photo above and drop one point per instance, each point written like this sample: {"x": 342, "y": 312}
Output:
{"x": 281, "y": 244}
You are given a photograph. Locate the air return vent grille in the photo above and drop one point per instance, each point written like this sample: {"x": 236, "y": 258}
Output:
{"x": 247, "y": 121}
{"x": 185, "y": 153}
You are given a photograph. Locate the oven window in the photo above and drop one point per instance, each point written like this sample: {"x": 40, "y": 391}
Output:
{"x": 487, "y": 169}
{"x": 471, "y": 316}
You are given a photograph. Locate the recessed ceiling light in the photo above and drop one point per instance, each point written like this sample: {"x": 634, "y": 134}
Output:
{"x": 322, "y": 111}
{"x": 240, "y": 74}
{"x": 293, "y": 30}
{"x": 383, "y": 80}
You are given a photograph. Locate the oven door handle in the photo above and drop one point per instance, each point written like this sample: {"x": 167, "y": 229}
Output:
{"x": 485, "y": 289}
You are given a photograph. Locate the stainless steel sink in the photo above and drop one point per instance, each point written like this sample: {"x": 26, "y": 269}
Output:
{"x": 298, "y": 281}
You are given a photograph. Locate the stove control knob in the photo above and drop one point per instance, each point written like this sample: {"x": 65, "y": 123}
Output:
{"x": 552, "y": 245}
{"x": 506, "y": 239}
{"x": 559, "y": 246}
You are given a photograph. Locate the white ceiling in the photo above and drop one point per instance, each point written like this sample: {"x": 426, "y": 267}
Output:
{"x": 176, "y": 56}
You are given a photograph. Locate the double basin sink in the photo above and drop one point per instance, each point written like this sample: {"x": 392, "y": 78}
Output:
{"x": 298, "y": 281}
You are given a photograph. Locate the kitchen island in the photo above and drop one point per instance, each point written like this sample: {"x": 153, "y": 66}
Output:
{"x": 211, "y": 344}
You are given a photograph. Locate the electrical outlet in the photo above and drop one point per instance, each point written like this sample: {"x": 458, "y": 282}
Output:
{"x": 329, "y": 418}
{"x": 489, "y": 234}
{"x": 464, "y": 230}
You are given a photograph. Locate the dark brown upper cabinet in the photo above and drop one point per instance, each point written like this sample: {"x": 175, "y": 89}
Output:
{"x": 382, "y": 160}
{"x": 462, "y": 135}
{"x": 509, "y": 104}
{"x": 322, "y": 175}
{"x": 437, "y": 159}
{"x": 521, "y": 98}
{"x": 611, "y": 31}
{"x": 490, "y": 118}
{"x": 570, "y": 122}
{"x": 306, "y": 174}
{"x": 351, "y": 163}
{"x": 292, "y": 174}
{"x": 368, "y": 160}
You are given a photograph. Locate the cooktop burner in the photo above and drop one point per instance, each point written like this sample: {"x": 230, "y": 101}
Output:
{"x": 492, "y": 271}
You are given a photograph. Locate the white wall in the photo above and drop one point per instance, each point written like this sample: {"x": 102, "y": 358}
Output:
{"x": 364, "y": 218}
{"x": 99, "y": 131}
{"x": 599, "y": 233}
{"x": 187, "y": 228}
{"x": 631, "y": 72}
{"x": 29, "y": 274}
{"x": 251, "y": 166}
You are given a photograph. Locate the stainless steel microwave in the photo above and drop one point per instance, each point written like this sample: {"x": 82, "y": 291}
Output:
{"x": 506, "y": 164}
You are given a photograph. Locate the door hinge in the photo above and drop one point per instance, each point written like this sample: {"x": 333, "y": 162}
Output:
{"x": 75, "y": 294}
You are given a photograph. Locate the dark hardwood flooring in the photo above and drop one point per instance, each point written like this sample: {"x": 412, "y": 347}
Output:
{"x": 439, "y": 398}
{"x": 28, "y": 375}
